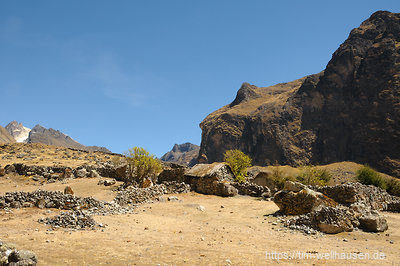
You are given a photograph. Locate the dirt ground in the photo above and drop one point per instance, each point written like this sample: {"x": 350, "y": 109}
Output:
{"x": 234, "y": 231}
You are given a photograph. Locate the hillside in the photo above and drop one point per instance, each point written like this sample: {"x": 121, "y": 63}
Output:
{"x": 348, "y": 112}
{"x": 5, "y": 136}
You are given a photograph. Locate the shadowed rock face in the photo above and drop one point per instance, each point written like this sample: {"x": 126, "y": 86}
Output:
{"x": 350, "y": 111}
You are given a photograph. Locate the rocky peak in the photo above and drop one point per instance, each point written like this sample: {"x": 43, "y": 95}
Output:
{"x": 184, "y": 154}
{"x": 18, "y": 131}
{"x": 185, "y": 147}
{"x": 245, "y": 93}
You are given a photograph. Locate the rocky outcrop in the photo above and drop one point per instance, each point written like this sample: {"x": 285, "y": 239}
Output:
{"x": 5, "y": 136}
{"x": 9, "y": 255}
{"x": 296, "y": 198}
{"x": 212, "y": 179}
{"x": 356, "y": 206}
{"x": 350, "y": 111}
{"x": 185, "y": 154}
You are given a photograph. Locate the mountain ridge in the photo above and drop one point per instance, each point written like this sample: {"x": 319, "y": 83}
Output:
{"x": 349, "y": 111}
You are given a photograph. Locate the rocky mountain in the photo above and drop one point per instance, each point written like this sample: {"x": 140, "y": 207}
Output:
{"x": 350, "y": 111}
{"x": 5, "y": 136}
{"x": 40, "y": 134}
{"x": 185, "y": 154}
{"x": 18, "y": 131}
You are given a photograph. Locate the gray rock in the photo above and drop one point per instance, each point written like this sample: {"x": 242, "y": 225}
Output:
{"x": 293, "y": 186}
{"x": 173, "y": 198}
{"x": 22, "y": 257}
{"x": 300, "y": 202}
{"x": 373, "y": 223}
{"x": 109, "y": 182}
{"x": 93, "y": 173}
{"x": 80, "y": 173}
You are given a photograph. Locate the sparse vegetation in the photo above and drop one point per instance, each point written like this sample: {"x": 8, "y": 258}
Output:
{"x": 279, "y": 178}
{"x": 311, "y": 175}
{"x": 368, "y": 176}
{"x": 141, "y": 165}
{"x": 238, "y": 161}
{"x": 393, "y": 187}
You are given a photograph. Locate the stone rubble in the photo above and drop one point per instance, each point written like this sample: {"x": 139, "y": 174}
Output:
{"x": 72, "y": 219}
{"x": 81, "y": 209}
{"x": 11, "y": 256}
{"x": 356, "y": 206}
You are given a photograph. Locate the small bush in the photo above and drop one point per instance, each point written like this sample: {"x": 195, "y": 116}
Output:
{"x": 313, "y": 176}
{"x": 279, "y": 178}
{"x": 238, "y": 161}
{"x": 368, "y": 176}
{"x": 141, "y": 165}
{"x": 393, "y": 187}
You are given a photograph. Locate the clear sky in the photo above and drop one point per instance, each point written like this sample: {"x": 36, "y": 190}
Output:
{"x": 121, "y": 74}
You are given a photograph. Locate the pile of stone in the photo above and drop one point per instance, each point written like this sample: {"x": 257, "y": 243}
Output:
{"x": 253, "y": 190}
{"x": 173, "y": 187}
{"x": 71, "y": 219}
{"x": 11, "y": 256}
{"x": 63, "y": 172}
{"x": 134, "y": 195}
{"x": 335, "y": 209}
{"x": 48, "y": 199}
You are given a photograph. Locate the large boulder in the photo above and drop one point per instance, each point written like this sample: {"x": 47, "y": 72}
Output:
{"x": 172, "y": 172}
{"x": 22, "y": 257}
{"x": 262, "y": 177}
{"x": 297, "y": 199}
{"x": 212, "y": 179}
{"x": 121, "y": 172}
{"x": 373, "y": 223}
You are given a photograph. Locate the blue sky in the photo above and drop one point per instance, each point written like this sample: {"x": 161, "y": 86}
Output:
{"x": 121, "y": 74}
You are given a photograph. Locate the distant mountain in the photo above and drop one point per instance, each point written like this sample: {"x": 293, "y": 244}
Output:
{"x": 18, "y": 131}
{"x": 185, "y": 154}
{"x": 40, "y": 134}
{"x": 5, "y": 136}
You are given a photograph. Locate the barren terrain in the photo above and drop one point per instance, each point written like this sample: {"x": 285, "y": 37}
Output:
{"x": 234, "y": 230}
{"x": 196, "y": 230}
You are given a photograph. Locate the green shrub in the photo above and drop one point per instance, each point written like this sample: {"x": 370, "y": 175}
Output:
{"x": 393, "y": 187}
{"x": 314, "y": 176}
{"x": 279, "y": 178}
{"x": 368, "y": 176}
{"x": 141, "y": 165}
{"x": 238, "y": 162}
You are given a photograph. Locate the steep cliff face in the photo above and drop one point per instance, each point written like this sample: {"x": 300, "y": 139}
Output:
{"x": 350, "y": 111}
